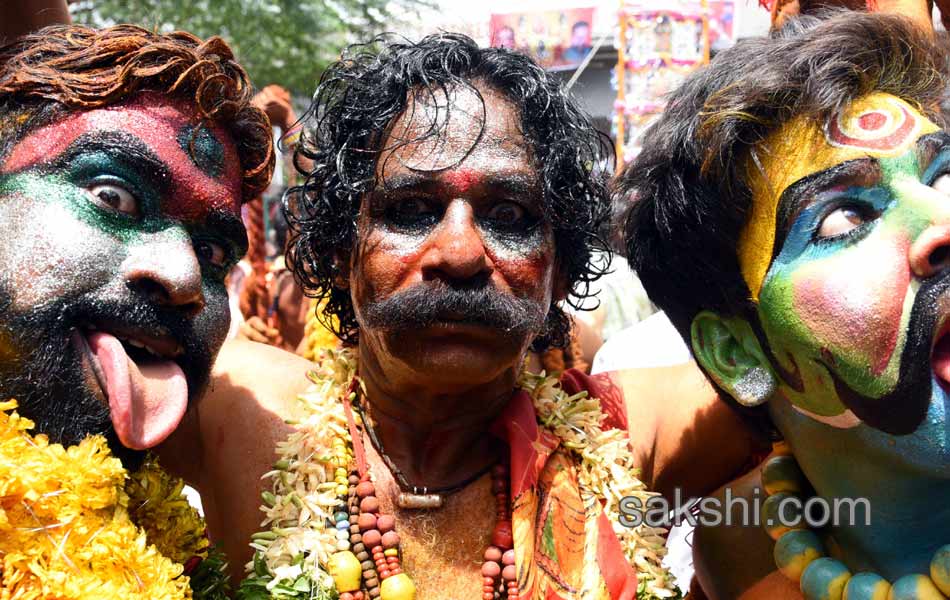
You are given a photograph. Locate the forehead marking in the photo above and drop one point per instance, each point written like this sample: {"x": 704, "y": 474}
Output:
{"x": 884, "y": 127}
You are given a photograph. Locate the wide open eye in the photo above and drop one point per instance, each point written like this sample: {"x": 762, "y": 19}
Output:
{"x": 841, "y": 221}
{"x": 507, "y": 213}
{"x": 115, "y": 198}
{"x": 211, "y": 253}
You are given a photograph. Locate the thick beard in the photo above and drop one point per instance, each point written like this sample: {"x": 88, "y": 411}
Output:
{"x": 43, "y": 371}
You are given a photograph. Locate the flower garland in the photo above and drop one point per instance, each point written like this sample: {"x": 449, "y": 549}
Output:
{"x": 75, "y": 525}
{"x": 309, "y": 485}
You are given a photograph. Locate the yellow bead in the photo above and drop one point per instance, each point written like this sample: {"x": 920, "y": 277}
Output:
{"x": 341, "y": 489}
{"x": 340, "y": 473}
{"x": 397, "y": 587}
{"x": 391, "y": 552}
{"x": 345, "y": 570}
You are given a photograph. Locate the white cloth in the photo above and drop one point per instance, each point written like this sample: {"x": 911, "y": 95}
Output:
{"x": 653, "y": 342}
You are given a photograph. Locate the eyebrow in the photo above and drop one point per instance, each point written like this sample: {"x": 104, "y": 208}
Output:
{"x": 123, "y": 147}
{"x": 799, "y": 195}
{"x": 230, "y": 226}
{"x": 512, "y": 182}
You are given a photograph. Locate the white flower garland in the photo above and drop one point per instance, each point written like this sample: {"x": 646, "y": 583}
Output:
{"x": 291, "y": 554}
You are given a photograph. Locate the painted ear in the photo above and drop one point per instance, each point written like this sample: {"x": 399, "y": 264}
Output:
{"x": 729, "y": 352}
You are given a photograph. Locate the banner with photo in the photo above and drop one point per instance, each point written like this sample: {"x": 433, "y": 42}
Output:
{"x": 557, "y": 39}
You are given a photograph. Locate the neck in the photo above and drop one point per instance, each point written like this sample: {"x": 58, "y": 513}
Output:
{"x": 909, "y": 516}
{"x": 437, "y": 435}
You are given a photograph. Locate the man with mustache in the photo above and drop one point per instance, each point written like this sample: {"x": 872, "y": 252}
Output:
{"x": 451, "y": 205}
{"x": 792, "y": 220}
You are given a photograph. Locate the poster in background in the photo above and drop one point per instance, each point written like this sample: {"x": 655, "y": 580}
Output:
{"x": 557, "y": 39}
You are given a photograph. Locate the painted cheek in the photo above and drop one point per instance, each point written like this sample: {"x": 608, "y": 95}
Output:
{"x": 853, "y": 303}
{"x": 48, "y": 253}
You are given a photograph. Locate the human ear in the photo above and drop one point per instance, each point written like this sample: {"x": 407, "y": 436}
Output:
{"x": 728, "y": 350}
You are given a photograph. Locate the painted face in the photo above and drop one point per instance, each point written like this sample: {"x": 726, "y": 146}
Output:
{"x": 454, "y": 271}
{"x": 845, "y": 252}
{"x": 118, "y": 227}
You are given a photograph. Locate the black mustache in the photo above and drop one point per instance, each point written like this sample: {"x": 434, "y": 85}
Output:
{"x": 433, "y": 303}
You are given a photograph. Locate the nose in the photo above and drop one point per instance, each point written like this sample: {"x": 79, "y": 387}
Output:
{"x": 166, "y": 271}
{"x": 456, "y": 249}
{"x": 930, "y": 252}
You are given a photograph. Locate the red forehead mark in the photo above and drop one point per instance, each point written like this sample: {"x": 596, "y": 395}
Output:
{"x": 878, "y": 129}
{"x": 462, "y": 180}
{"x": 157, "y": 122}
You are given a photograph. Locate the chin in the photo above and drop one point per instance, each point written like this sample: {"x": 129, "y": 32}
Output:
{"x": 458, "y": 360}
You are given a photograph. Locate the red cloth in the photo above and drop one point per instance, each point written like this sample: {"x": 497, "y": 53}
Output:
{"x": 565, "y": 546}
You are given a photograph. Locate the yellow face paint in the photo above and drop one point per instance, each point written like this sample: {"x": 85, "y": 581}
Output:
{"x": 875, "y": 126}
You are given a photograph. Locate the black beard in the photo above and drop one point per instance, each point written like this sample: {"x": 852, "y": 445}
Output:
{"x": 428, "y": 304}
{"x": 43, "y": 370}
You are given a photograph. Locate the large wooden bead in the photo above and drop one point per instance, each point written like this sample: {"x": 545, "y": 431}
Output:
{"x": 779, "y": 515}
{"x": 795, "y": 550}
{"x": 502, "y": 536}
{"x": 824, "y": 579}
{"x": 345, "y": 571}
{"x": 867, "y": 586}
{"x": 397, "y": 587}
{"x": 782, "y": 474}
{"x": 915, "y": 587}
{"x": 940, "y": 569}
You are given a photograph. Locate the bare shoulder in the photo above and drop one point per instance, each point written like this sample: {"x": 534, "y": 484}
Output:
{"x": 734, "y": 560}
{"x": 675, "y": 417}
{"x": 242, "y": 418}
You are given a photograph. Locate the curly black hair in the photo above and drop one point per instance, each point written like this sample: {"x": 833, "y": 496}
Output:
{"x": 362, "y": 94}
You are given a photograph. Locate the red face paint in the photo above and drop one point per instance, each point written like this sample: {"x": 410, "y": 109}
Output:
{"x": 158, "y": 122}
{"x": 462, "y": 180}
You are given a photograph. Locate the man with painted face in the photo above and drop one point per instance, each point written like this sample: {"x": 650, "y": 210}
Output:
{"x": 793, "y": 220}
{"x": 124, "y": 161}
{"x": 450, "y": 205}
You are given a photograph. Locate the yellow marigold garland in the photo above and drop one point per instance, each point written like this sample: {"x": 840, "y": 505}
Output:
{"x": 65, "y": 526}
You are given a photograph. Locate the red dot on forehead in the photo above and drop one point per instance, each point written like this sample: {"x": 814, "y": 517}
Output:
{"x": 872, "y": 120}
{"x": 462, "y": 179}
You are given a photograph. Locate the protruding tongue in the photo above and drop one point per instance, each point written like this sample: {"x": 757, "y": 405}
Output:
{"x": 941, "y": 359}
{"x": 147, "y": 401}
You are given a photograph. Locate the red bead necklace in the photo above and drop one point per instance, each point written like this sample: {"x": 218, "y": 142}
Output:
{"x": 375, "y": 543}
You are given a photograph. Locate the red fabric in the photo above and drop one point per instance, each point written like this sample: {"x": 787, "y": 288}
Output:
{"x": 554, "y": 529}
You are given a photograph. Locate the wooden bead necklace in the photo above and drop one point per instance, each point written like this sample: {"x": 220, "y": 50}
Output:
{"x": 801, "y": 557}
{"x": 373, "y": 542}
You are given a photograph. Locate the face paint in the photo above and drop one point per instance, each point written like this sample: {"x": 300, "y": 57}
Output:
{"x": 112, "y": 232}
{"x": 840, "y": 306}
{"x": 169, "y": 130}
{"x": 877, "y": 126}
{"x": 455, "y": 214}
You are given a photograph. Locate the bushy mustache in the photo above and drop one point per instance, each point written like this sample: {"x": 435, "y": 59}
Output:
{"x": 428, "y": 304}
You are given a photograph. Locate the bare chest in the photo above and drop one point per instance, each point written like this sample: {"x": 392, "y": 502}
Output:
{"x": 442, "y": 550}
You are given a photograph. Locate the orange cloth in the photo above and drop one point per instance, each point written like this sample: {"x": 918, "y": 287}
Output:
{"x": 564, "y": 545}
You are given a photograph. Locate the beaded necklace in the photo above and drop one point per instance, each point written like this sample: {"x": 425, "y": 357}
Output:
{"x": 801, "y": 556}
{"x": 326, "y": 538}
